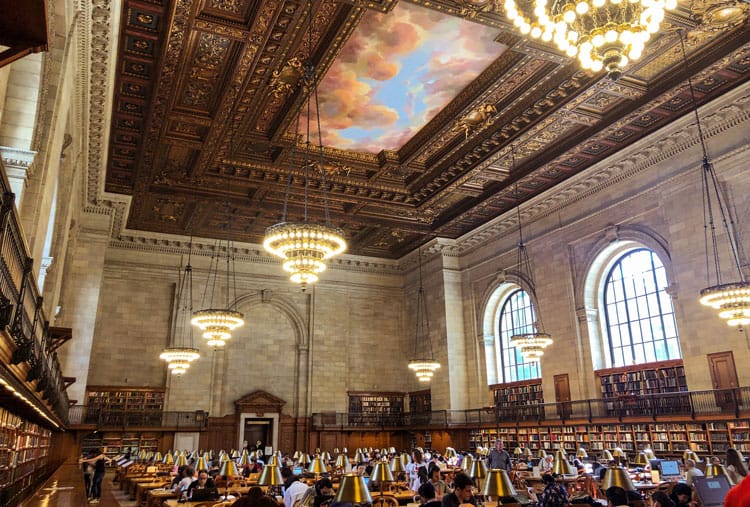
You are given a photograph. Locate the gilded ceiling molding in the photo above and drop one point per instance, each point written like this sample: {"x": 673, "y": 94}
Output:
{"x": 727, "y": 112}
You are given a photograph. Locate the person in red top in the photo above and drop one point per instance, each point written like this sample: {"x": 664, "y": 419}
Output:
{"x": 739, "y": 496}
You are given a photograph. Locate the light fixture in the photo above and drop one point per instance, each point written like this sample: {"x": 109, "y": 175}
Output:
{"x": 531, "y": 340}
{"x": 180, "y": 352}
{"x": 498, "y": 484}
{"x": 305, "y": 247}
{"x": 603, "y": 34}
{"x": 218, "y": 323}
{"x": 730, "y": 299}
{"x": 423, "y": 363}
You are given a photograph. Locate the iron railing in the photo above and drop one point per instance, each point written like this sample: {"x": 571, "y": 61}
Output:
{"x": 102, "y": 419}
{"x": 21, "y": 314}
{"x": 729, "y": 403}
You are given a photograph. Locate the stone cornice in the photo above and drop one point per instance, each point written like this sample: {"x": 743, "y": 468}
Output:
{"x": 17, "y": 157}
{"x": 727, "y": 112}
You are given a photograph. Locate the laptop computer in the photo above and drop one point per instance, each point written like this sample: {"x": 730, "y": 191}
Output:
{"x": 669, "y": 469}
{"x": 205, "y": 494}
{"x": 711, "y": 490}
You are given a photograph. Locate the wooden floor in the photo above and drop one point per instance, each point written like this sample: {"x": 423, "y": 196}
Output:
{"x": 65, "y": 489}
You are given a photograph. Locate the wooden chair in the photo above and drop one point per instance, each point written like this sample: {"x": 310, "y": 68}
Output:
{"x": 384, "y": 501}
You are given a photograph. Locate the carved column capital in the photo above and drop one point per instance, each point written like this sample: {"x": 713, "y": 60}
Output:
{"x": 587, "y": 314}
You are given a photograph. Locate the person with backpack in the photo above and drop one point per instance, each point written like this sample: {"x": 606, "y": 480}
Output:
{"x": 554, "y": 494}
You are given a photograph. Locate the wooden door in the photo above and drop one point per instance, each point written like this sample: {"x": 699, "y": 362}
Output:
{"x": 562, "y": 395}
{"x": 723, "y": 377}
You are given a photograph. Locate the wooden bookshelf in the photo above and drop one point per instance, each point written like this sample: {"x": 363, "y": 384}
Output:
{"x": 622, "y": 387}
{"x": 116, "y": 443}
{"x": 386, "y": 408}
{"x": 24, "y": 450}
{"x": 125, "y": 406}
{"x": 523, "y": 398}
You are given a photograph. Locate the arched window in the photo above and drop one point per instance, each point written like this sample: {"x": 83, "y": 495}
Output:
{"x": 516, "y": 317}
{"x": 638, "y": 312}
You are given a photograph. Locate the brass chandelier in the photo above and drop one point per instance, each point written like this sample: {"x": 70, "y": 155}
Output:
{"x": 730, "y": 299}
{"x": 303, "y": 246}
{"x": 530, "y": 344}
{"x": 603, "y": 34}
{"x": 423, "y": 363}
{"x": 180, "y": 352}
{"x": 218, "y": 322}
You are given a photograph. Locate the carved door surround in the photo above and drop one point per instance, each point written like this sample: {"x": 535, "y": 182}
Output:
{"x": 258, "y": 405}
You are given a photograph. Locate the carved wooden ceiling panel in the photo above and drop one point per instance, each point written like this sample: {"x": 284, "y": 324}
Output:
{"x": 207, "y": 94}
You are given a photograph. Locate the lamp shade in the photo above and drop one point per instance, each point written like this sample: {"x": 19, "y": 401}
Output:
{"x": 641, "y": 459}
{"x": 717, "y": 470}
{"x": 342, "y": 461}
{"x": 270, "y": 476}
{"x": 359, "y": 457}
{"x": 245, "y": 458}
{"x": 466, "y": 463}
{"x": 478, "y": 469}
{"x": 449, "y": 452}
{"x": 168, "y": 459}
{"x": 304, "y": 459}
{"x": 405, "y": 458}
{"x": 158, "y": 456}
{"x": 688, "y": 454}
{"x": 181, "y": 460}
{"x": 606, "y": 455}
{"x": 561, "y": 465}
{"x": 498, "y": 484}
{"x": 649, "y": 453}
{"x": 541, "y": 454}
{"x": 528, "y": 453}
{"x": 381, "y": 473}
{"x": 274, "y": 461}
{"x": 317, "y": 467}
{"x": 353, "y": 490}
{"x": 518, "y": 451}
{"x": 229, "y": 469}
{"x": 296, "y": 455}
{"x": 397, "y": 466}
{"x": 617, "y": 476}
{"x": 581, "y": 453}
{"x": 617, "y": 452}
{"x": 201, "y": 464}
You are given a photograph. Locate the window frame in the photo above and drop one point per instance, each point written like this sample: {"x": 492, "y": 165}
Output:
{"x": 630, "y": 321}
{"x": 503, "y": 344}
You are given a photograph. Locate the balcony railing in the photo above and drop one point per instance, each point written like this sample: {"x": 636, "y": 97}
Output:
{"x": 81, "y": 415}
{"x": 728, "y": 403}
{"x": 21, "y": 314}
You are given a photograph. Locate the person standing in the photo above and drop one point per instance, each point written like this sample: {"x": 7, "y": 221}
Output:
{"x": 88, "y": 471}
{"x": 99, "y": 462}
{"x": 499, "y": 457}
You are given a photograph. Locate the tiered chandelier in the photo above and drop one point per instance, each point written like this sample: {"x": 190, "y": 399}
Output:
{"x": 218, "y": 323}
{"x": 531, "y": 345}
{"x": 181, "y": 352}
{"x": 424, "y": 363}
{"x": 306, "y": 247}
{"x": 603, "y": 34}
{"x": 731, "y": 299}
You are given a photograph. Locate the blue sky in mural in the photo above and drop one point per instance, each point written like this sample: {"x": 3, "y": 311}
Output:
{"x": 396, "y": 72}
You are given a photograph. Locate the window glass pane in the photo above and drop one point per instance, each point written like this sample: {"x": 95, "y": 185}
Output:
{"x": 638, "y": 312}
{"x": 516, "y": 317}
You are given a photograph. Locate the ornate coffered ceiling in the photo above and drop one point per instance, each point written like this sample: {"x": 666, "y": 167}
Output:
{"x": 207, "y": 93}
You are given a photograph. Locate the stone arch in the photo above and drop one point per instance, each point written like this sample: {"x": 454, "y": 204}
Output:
{"x": 284, "y": 305}
{"x": 614, "y": 242}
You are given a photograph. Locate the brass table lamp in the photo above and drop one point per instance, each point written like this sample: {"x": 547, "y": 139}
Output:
{"x": 228, "y": 470}
{"x": 271, "y": 477}
{"x": 717, "y": 470}
{"x": 561, "y": 465}
{"x": 317, "y": 467}
{"x": 607, "y": 456}
{"x": 498, "y": 484}
{"x": 466, "y": 463}
{"x": 245, "y": 458}
{"x": 381, "y": 474}
{"x": 541, "y": 454}
{"x": 581, "y": 453}
{"x": 342, "y": 462}
{"x": 617, "y": 476}
{"x": 641, "y": 460}
{"x": 353, "y": 490}
{"x": 478, "y": 472}
{"x": 201, "y": 464}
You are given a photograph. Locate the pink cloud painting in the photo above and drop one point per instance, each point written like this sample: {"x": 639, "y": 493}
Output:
{"x": 396, "y": 72}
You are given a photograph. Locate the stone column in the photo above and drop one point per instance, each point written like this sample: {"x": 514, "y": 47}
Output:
{"x": 80, "y": 300}
{"x": 461, "y": 362}
{"x": 588, "y": 319}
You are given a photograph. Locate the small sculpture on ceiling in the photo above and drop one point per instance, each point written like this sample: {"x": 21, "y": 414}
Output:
{"x": 285, "y": 80}
{"x": 472, "y": 8}
{"x": 478, "y": 118}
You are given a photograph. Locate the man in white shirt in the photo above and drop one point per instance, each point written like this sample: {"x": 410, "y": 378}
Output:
{"x": 691, "y": 472}
{"x": 294, "y": 490}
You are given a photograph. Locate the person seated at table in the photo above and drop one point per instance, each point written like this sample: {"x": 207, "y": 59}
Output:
{"x": 438, "y": 484}
{"x": 256, "y": 500}
{"x": 463, "y": 492}
{"x": 178, "y": 477}
{"x": 203, "y": 482}
{"x": 545, "y": 465}
{"x": 555, "y": 494}
{"x": 616, "y": 497}
{"x": 427, "y": 496}
{"x": 691, "y": 471}
{"x": 736, "y": 467}
{"x": 188, "y": 476}
{"x": 660, "y": 499}
{"x": 294, "y": 489}
{"x": 323, "y": 493}
{"x": 682, "y": 495}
